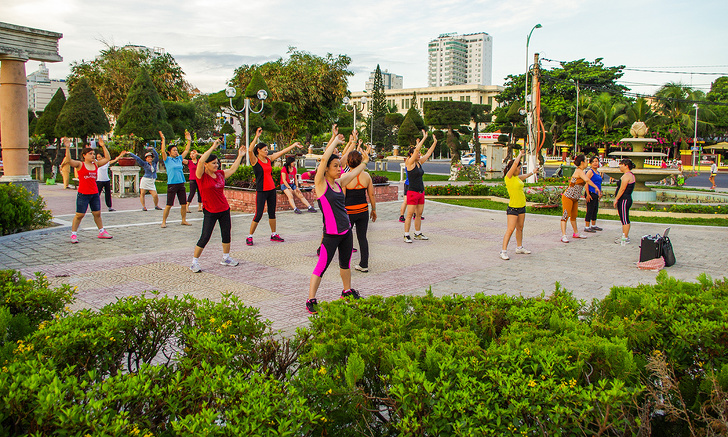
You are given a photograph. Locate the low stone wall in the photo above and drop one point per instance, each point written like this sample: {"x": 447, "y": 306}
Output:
{"x": 243, "y": 199}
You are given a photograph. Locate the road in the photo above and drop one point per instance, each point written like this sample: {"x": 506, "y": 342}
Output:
{"x": 443, "y": 167}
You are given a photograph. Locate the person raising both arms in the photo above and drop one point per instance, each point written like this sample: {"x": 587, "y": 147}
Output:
{"x": 211, "y": 182}
{"x": 337, "y": 229}
{"x": 149, "y": 165}
{"x": 516, "y": 211}
{"x": 416, "y": 191}
{"x": 174, "y": 163}
{"x": 289, "y": 188}
{"x": 358, "y": 209}
{"x": 592, "y": 198}
{"x": 192, "y": 165}
{"x": 570, "y": 198}
{"x": 88, "y": 192}
{"x": 264, "y": 186}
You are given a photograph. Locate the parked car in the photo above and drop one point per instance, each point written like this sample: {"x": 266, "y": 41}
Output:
{"x": 469, "y": 159}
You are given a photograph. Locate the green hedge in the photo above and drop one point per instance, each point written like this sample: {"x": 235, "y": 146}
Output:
{"x": 648, "y": 360}
{"x": 20, "y": 211}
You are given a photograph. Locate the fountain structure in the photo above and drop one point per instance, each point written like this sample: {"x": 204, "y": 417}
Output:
{"x": 641, "y": 193}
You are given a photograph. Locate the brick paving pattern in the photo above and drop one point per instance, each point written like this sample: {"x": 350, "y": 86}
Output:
{"x": 461, "y": 257}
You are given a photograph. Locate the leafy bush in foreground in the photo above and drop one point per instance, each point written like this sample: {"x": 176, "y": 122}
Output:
{"x": 647, "y": 360}
{"x": 20, "y": 211}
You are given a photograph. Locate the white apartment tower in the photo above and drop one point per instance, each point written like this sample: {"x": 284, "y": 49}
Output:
{"x": 460, "y": 59}
{"x": 41, "y": 88}
{"x": 391, "y": 81}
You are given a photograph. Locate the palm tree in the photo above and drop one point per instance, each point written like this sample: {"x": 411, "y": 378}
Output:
{"x": 640, "y": 110}
{"x": 605, "y": 113}
{"x": 675, "y": 105}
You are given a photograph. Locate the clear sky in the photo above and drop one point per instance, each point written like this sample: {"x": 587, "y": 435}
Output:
{"x": 210, "y": 39}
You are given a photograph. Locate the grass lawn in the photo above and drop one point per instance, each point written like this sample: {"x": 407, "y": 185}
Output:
{"x": 394, "y": 176}
{"x": 498, "y": 206}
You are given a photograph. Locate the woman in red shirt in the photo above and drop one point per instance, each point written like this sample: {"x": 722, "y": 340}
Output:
{"x": 264, "y": 186}
{"x": 289, "y": 188}
{"x": 211, "y": 181}
{"x": 88, "y": 192}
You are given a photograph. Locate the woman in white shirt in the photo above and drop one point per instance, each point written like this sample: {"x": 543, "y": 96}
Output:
{"x": 102, "y": 180}
{"x": 713, "y": 173}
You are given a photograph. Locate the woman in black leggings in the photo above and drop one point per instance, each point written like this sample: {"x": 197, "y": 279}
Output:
{"x": 358, "y": 209}
{"x": 211, "y": 181}
{"x": 192, "y": 165}
{"x": 265, "y": 187}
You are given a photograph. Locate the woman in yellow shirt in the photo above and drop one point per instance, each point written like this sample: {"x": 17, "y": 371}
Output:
{"x": 516, "y": 211}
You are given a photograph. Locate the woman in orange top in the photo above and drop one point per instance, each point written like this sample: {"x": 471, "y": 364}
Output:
{"x": 570, "y": 197}
{"x": 357, "y": 207}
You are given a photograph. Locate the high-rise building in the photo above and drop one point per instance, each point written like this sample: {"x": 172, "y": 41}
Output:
{"x": 41, "y": 88}
{"x": 391, "y": 81}
{"x": 460, "y": 59}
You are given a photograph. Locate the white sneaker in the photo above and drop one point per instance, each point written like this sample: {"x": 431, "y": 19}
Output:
{"x": 522, "y": 250}
{"x": 196, "y": 267}
{"x": 229, "y": 262}
{"x": 407, "y": 239}
{"x": 564, "y": 239}
{"x": 504, "y": 255}
{"x": 361, "y": 269}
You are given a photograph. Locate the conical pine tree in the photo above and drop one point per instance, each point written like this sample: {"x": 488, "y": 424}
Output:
{"x": 82, "y": 114}
{"x": 143, "y": 113}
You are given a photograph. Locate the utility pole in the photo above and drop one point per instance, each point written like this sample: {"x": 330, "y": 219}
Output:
{"x": 532, "y": 128}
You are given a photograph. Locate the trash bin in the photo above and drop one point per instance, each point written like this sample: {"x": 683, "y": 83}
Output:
{"x": 567, "y": 171}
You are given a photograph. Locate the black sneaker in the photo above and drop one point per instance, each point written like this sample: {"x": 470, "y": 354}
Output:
{"x": 350, "y": 293}
{"x": 312, "y": 306}
{"x": 401, "y": 219}
{"x": 422, "y": 217}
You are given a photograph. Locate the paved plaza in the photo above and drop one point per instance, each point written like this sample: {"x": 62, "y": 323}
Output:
{"x": 461, "y": 257}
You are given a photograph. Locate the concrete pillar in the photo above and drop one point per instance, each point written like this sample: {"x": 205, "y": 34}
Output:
{"x": 14, "y": 120}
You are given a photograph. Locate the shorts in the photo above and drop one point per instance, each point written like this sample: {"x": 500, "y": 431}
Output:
{"x": 83, "y": 201}
{"x": 176, "y": 190}
{"x": 147, "y": 184}
{"x": 415, "y": 198}
{"x": 570, "y": 208}
{"x": 515, "y": 211}
{"x": 293, "y": 187}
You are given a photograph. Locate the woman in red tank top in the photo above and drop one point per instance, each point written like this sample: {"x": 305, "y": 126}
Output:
{"x": 88, "y": 192}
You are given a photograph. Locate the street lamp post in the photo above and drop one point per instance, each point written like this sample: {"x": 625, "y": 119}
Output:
{"x": 347, "y": 103}
{"x": 530, "y": 159}
{"x": 230, "y": 92}
{"x": 576, "y": 133}
{"x": 695, "y": 134}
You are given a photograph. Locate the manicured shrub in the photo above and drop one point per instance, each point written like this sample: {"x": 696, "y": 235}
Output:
{"x": 20, "y": 210}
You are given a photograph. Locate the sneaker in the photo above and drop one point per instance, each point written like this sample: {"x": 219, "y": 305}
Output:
{"x": 249, "y": 241}
{"x": 597, "y": 228}
{"x": 74, "y": 239}
{"x": 196, "y": 267}
{"x": 229, "y": 262}
{"x": 564, "y": 239}
{"x": 277, "y": 237}
{"x": 111, "y": 210}
{"x": 312, "y": 306}
{"x": 157, "y": 208}
{"x": 407, "y": 239}
{"x": 105, "y": 235}
{"x": 618, "y": 240}
{"x": 401, "y": 219}
{"x": 504, "y": 255}
{"x": 522, "y": 250}
{"x": 578, "y": 236}
{"x": 350, "y": 293}
{"x": 297, "y": 211}
{"x": 422, "y": 217}
{"x": 144, "y": 209}
{"x": 361, "y": 269}
{"x": 354, "y": 250}
{"x": 312, "y": 209}
{"x": 318, "y": 251}
{"x": 420, "y": 237}
{"x": 590, "y": 230}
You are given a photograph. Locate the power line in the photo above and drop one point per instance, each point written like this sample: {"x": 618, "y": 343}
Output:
{"x": 652, "y": 70}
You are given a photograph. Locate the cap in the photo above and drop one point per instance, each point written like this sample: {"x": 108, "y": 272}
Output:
{"x": 149, "y": 154}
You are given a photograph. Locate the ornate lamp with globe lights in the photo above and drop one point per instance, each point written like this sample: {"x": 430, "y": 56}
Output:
{"x": 230, "y": 92}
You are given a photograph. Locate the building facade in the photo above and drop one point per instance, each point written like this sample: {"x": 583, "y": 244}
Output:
{"x": 391, "y": 81}
{"x": 402, "y": 98}
{"x": 460, "y": 59}
{"x": 41, "y": 88}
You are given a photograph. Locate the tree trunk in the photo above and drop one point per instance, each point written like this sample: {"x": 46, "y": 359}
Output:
{"x": 454, "y": 154}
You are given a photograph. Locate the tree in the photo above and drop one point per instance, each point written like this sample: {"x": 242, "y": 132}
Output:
{"x": 143, "y": 113}
{"x": 312, "y": 86}
{"x": 719, "y": 93}
{"x": 180, "y": 115}
{"x": 82, "y": 115}
{"x": 675, "y": 105}
{"x": 478, "y": 114}
{"x": 227, "y": 128}
{"x": 447, "y": 114}
{"x": 203, "y": 122}
{"x": 112, "y": 73}
{"x": 32, "y": 120}
{"x": 605, "y": 113}
{"x": 408, "y": 132}
{"x": 46, "y": 124}
{"x": 379, "y": 109}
